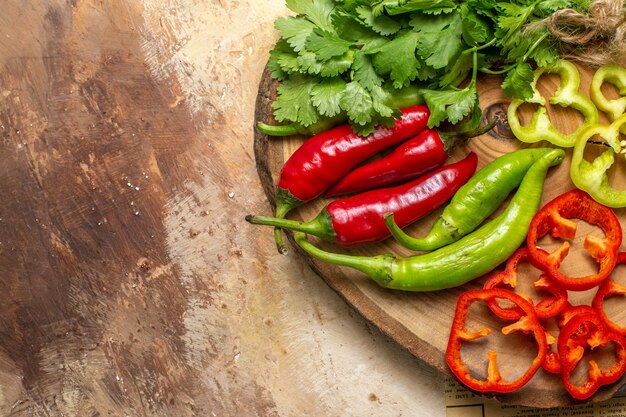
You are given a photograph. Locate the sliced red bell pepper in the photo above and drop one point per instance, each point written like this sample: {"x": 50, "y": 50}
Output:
{"x": 608, "y": 289}
{"x": 545, "y": 308}
{"x": 555, "y": 218}
{"x": 570, "y": 311}
{"x": 581, "y": 332}
{"x": 528, "y": 323}
{"x": 552, "y": 362}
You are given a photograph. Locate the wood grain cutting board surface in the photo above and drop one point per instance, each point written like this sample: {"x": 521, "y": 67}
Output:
{"x": 420, "y": 322}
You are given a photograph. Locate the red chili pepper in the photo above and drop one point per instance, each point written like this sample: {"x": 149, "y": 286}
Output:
{"x": 528, "y": 323}
{"x": 325, "y": 158}
{"x": 418, "y": 155}
{"x": 588, "y": 331}
{"x": 360, "y": 218}
{"x": 547, "y": 307}
{"x": 554, "y": 218}
{"x": 414, "y": 157}
{"x": 607, "y": 289}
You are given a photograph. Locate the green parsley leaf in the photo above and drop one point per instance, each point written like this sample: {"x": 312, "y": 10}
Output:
{"x": 293, "y": 101}
{"x": 441, "y": 40}
{"x": 309, "y": 64}
{"x": 326, "y": 45}
{"x": 397, "y": 58}
{"x": 510, "y": 21}
{"x": 363, "y": 71}
{"x": 518, "y": 81}
{"x": 378, "y": 103}
{"x": 475, "y": 30}
{"x": 357, "y": 103}
{"x": 544, "y": 53}
{"x": 460, "y": 69}
{"x": 283, "y": 58}
{"x": 382, "y": 24}
{"x": 295, "y": 30}
{"x": 451, "y": 105}
{"x": 352, "y": 29}
{"x": 407, "y": 6}
{"x": 326, "y": 96}
{"x": 277, "y": 58}
{"x": 317, "y": 11}
{"x": 546, "y": 7}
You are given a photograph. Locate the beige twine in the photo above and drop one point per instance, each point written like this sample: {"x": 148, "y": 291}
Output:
{"x": 596, "y": 38}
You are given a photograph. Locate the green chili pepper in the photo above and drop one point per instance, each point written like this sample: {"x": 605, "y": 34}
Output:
{"x": 474, "y": 201}
{"x": 612, "y": 74}
{"x": 591, "y": 176}
{"x": 468, "y": 258}
{"x": 540, "y": 128}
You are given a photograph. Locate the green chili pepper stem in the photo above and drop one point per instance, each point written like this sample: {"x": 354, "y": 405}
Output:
{"x": 468, "y": 258}
{"x": 405, "y": 97}
{"x": 476, "y": 200}
{"x": 320, "y": 226}
{"x": 376, "y": 267}
{"x": 441, "y": 234}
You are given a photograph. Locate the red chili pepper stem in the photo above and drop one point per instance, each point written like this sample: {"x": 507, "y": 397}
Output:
{"x": 321, "y": 226}
{"x": 297, "y": 129}
{"x": 285, "y": 202}
{"x": 449, "y": 139}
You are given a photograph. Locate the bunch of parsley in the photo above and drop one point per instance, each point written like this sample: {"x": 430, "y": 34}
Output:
{"x": 348, "y": 57}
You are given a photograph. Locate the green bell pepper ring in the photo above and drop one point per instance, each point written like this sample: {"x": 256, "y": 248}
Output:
{"x": 612, "y": 74}
{"x": 540, "y": 127}
{"x": 591, "y": 176}
{"x": 457, "y": 263}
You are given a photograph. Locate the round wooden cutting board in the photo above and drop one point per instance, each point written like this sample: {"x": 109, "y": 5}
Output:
{"x": 420, "y": 322}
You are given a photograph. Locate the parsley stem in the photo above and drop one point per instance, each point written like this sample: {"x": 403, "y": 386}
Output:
{"x": 523, "y": 59}
{"x": 535, "y": 45}
{"x": 474, "y": 66}
{"x": 479, "y": 47}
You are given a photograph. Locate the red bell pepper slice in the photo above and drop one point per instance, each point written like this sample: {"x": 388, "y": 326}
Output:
{"x": 528, "y": 323}
{"x": 555, "y": 218}
{"x": 607, "y": 289}
{"x": 552, "y": 362}
{"x": 581, "y": 332}
{"x": 547, "y": 307}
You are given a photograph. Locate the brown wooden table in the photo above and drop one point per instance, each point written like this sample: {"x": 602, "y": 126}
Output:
{"x": 129, "y": 282}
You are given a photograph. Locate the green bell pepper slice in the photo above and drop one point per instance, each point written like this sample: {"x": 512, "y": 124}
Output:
{"x": 592, "y": 176}
{"x": 540, "y": 127}
{"x": 612, "y": 74}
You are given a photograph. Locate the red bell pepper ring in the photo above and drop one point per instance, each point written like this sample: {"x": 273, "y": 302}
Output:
{"x": 555, "y": 218}
{"x": 585, "y": 331}
{"x": 607, "y": 289}
{"x": 552, "y": 362}
{"x": 528, "y": 323}
{"x": 571, "y": 311}
{"x": 545, "y": 308}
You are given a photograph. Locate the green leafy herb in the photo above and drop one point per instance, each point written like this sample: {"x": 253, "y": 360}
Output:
{"x": 353, "y": 58}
